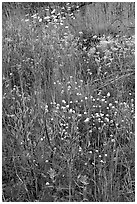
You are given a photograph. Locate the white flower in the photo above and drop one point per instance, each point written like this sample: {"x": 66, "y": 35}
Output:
{"x": 63, "y": 101}
{"x": 69, "y": 87}
{"x": 107, "y": 119}
{"x": 101, "y": 114}
{"x": 80, "y": 149}
{"x": 70, "y": 111}
{"x": 97, "y": 115}
{"x": 47, "y": 183}
{"x": 87, "y": 120}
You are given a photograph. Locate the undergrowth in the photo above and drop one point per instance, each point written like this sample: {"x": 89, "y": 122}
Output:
{"x": 68, "y": 114}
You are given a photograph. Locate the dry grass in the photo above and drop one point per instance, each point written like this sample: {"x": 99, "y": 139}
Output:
{"x": 68, "y": 115}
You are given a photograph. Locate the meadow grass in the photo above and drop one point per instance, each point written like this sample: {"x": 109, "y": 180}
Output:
{"x": 68, "y": 114}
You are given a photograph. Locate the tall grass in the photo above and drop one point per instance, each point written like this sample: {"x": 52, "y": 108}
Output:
{"x": 68, "y": 114}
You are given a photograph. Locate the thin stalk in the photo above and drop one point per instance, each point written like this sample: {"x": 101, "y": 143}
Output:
{"x": 70, "y": 179}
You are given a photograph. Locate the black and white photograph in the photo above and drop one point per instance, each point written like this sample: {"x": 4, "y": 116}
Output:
{"x": 68, "y": 101}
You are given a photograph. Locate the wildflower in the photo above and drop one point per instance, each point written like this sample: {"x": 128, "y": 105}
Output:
{"x": 57, "y": 107}
{"x": 70, "y": 111}
{"x": 101, "y": 114}
{"x": 52, "y": 173}
{"x": 69, "y": 87}
{"x": 47, "y": 183}
{"x": 97, "y": 115}
{"x": 80, "y": 149}
{"x": 87, "y": 120}
{"x": 107, "y": 119}
{"x": 63, "y": 107}
{"x": 63, "y": 101}
{"x": 99, "y": 120}
{"x": 108, "y": 94}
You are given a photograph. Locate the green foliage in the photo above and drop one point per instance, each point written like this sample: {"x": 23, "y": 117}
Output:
{"x": 68, "y": 111}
